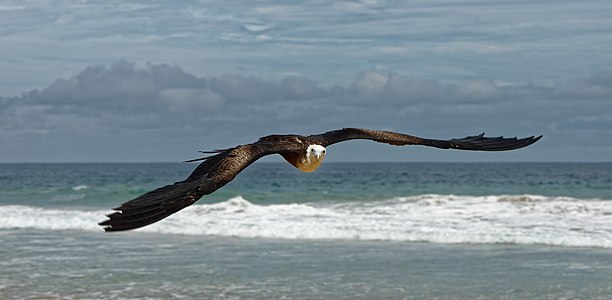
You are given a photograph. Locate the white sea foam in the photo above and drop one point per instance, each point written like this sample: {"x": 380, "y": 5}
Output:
{"x": 516, "y": 219}
{"x": 80, "y": 187}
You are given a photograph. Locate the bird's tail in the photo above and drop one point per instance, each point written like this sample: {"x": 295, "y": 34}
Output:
{"x": 152, "y": 206}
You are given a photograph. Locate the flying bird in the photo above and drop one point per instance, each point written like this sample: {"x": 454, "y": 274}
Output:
{"x": 306, "y": 153}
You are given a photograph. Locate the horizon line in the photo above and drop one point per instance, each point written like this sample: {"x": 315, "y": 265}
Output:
{"x": 282, "y": 162}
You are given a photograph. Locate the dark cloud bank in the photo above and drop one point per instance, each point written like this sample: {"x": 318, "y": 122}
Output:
{"x": 159, "y": 112}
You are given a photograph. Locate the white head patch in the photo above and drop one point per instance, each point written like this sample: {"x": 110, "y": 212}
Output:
{"x": 317, "y": 151}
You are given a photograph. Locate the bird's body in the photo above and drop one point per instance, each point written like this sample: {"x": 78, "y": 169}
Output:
{"x": 308, "y": 162}
{"x": 306, "y": 153}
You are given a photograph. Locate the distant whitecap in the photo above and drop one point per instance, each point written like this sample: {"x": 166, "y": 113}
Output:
{"x": 80, "y": 187}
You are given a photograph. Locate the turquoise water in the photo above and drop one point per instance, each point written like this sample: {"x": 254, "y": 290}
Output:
{"x": 365, "y": 230}
{"x": 100, "y": 185}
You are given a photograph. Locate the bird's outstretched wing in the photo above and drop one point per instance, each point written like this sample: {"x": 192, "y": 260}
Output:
{"x": 217, "y": 170}
{"x": 476, "y": 143}
{"x": 214, "y": 172}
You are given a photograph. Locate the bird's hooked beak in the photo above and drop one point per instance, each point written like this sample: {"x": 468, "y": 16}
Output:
{"x": 320, "y": 154}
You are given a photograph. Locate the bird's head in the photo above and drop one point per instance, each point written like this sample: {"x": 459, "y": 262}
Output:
{"x": 312, "y": 160}
{"x": 315, "y": 152}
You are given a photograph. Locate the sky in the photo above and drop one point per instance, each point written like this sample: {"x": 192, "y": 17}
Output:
{"x": 148, "y": 81}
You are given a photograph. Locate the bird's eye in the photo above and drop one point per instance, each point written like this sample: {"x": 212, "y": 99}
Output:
{"x": 323, "y": 151}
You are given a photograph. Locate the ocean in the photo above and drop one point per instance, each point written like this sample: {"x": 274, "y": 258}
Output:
{"x": 346, "y": 231}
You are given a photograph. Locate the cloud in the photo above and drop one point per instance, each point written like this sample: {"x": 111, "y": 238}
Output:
{"x": 587, "y": 124}
{"x": 429, "y": 67}
{"x": 154, "y": 96}
{"x": 256, "y": 27}
{"x": 376, "y": 88}
{"x": 238, "y": 88}
{"x": 197, "y": 101}
{"x": 598, "y": 85}
{"x": 134, "y": 106}
{"x": 509, "y": 41}
{"x": 124, "y": 88}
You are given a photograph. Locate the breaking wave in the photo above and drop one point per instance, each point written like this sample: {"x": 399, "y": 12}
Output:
{"x": 80, "y": 187}
{"x": 514, "y": 219}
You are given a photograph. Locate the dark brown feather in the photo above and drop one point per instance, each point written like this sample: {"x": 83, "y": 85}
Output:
{"x": 474, "y": 143}
{"x": 210, "y": 175}
{"x": 217, "y": 170}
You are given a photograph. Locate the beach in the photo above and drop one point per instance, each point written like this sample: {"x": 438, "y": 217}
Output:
{"x": 347, "y": 231}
